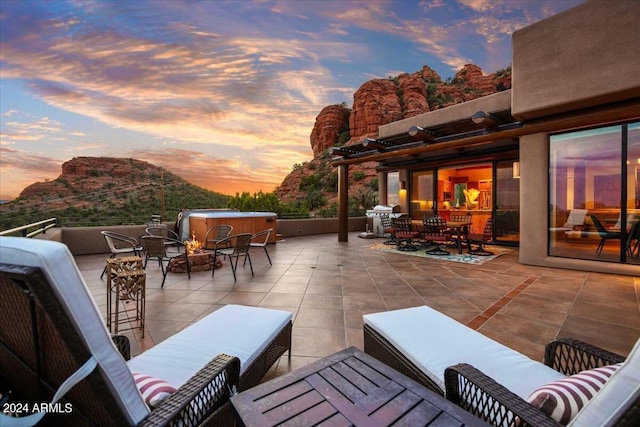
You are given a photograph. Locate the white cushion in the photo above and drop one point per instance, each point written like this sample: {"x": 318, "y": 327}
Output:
{"x": 433, "y": 342}
{"x": 235, "y": 330}
{"x": 620, "y": 390}
{"x": 60, "y": 269}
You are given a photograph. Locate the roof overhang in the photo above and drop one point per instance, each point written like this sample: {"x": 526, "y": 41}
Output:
{"x": 453, "y": 130}
{"x": 455, "y": 127}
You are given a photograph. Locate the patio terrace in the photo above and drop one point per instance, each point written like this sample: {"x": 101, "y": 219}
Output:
{"x": 328, "y": 286}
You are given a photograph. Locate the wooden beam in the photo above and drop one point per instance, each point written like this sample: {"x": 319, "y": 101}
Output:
{"x": 343, "y": 203}
{"x": 593, "y": 117}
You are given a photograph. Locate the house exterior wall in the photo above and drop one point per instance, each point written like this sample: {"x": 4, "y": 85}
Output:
{"x": 583, "y": 57}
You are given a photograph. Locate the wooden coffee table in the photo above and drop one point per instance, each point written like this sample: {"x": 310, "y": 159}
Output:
{"x": 347, "y": 388}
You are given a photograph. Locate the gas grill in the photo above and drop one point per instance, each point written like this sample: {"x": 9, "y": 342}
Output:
{"x": 393, "y": 211}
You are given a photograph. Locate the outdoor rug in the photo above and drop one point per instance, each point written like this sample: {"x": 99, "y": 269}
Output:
{"x": 453, "y": 256}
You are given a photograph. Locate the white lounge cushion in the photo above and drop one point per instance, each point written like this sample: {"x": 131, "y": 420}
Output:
{"x": 235, "y": 330}
{"x": 434, "y": 341}
{"x": 622, "y": 388}
{"x": 58, "y": 265}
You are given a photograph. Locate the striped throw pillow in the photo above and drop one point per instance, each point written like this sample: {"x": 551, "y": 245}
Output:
{"x": 563, "y": 399}
{"x": 153, "y": 390}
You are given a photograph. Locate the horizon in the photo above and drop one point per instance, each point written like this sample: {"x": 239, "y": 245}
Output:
{"x": 223, "y": 94}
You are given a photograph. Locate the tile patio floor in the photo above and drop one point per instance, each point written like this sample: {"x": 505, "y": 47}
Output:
{"x": 329, "y": 285}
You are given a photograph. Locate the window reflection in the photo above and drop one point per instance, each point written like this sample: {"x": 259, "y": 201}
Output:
{"x": 585, "y": 189}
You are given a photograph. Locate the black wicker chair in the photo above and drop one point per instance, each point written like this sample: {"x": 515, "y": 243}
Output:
{"x": 477, "y": 393}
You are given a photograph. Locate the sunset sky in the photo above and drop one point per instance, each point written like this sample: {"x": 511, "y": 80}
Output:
{"x": 222, "y": 93}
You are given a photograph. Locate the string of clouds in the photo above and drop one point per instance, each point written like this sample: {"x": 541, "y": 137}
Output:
{"x": 222, "y": 93}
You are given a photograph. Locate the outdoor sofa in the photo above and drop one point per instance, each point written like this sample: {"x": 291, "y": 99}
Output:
{"x": 53, "y": 338}
{"x": 493, "y": 381}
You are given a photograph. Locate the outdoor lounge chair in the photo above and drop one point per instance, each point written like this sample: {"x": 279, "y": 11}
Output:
{"x": 50, "y": 328}
{"x": 573, "y": 224}
{"x": 493, "y": 381}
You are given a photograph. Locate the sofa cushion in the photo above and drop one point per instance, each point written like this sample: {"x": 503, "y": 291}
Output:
{"x": 59, "y": 267}
{"x": 563, "y": 399}
{"x": 235, "y": 330}
{"x": 433, "y": 342}
{"x": 622, "y": 390}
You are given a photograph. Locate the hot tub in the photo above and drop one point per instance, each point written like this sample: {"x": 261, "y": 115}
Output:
{"x": 242, "y": 222}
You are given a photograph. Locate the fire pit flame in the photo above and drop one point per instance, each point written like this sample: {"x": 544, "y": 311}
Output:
{"x": 193, "y": 246}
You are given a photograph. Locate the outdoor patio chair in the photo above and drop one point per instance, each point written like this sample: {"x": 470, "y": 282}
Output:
{"x": 501, "y": 385}
{"x": 604, "y": 234}
{"x": 387, "y": 228}
{"x": 54, "y": 347}
{"x": 164, "y": 231}
{"x": 216, "y": 234}
{"x": 482, "y": 239}
{"x": 164, "y": 250}
{"x": 464, "y": 233}
{"x": 435, "y": 232}
{"x": 119, "y": 244}
{"x": 262, "y": 238}
{"x": 240, "y": 248}
{"x": 405, "y": 234}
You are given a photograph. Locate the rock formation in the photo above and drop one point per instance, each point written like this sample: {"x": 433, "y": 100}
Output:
{"x": 381, "y": 101}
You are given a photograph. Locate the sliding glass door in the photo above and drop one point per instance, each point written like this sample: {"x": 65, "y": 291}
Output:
{"x": 593, "y": 193}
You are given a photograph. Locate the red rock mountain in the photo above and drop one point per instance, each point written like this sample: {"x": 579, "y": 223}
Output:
{"x": 381, "y": 101}
{"x": 85, "y": 175}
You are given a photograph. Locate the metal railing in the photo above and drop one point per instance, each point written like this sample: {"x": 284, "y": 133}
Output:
{"x": 41, "y": 227}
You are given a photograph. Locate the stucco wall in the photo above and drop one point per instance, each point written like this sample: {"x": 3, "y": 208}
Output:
{"x": 88, "y": 240}
{"x": 580, "y": 58}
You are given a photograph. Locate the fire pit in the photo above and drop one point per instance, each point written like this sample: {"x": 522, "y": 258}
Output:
{"x": 199, "y": 259}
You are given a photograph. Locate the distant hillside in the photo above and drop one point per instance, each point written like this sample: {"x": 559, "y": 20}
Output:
{"x": 107, "y": 191}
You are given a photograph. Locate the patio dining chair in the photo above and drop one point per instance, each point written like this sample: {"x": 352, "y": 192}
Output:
{"x": 482, "y": 239}
{"x": 464, "y": 232}
{"x": 387, "y": 228}
{"x": 55, "y": 347}
{"x": 241, "y": 243}
{"x": 435, "y": 232}
{"x": 216, "y": 234}
{"x": 119, "y": 244}
{"x": 260, "y": 240}
{"x": 405, "y": 234}
{"x": 163, "y": 231}
{"x": 165, "y": 250}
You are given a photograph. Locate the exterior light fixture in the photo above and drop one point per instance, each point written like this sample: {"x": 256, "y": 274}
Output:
{"x": 403, "y": 185}
{"x": 374, "y": 143}
{"x": 485, "y": 119}
{"x": 516, "y": 170}
{"x": 417, "y": 130}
